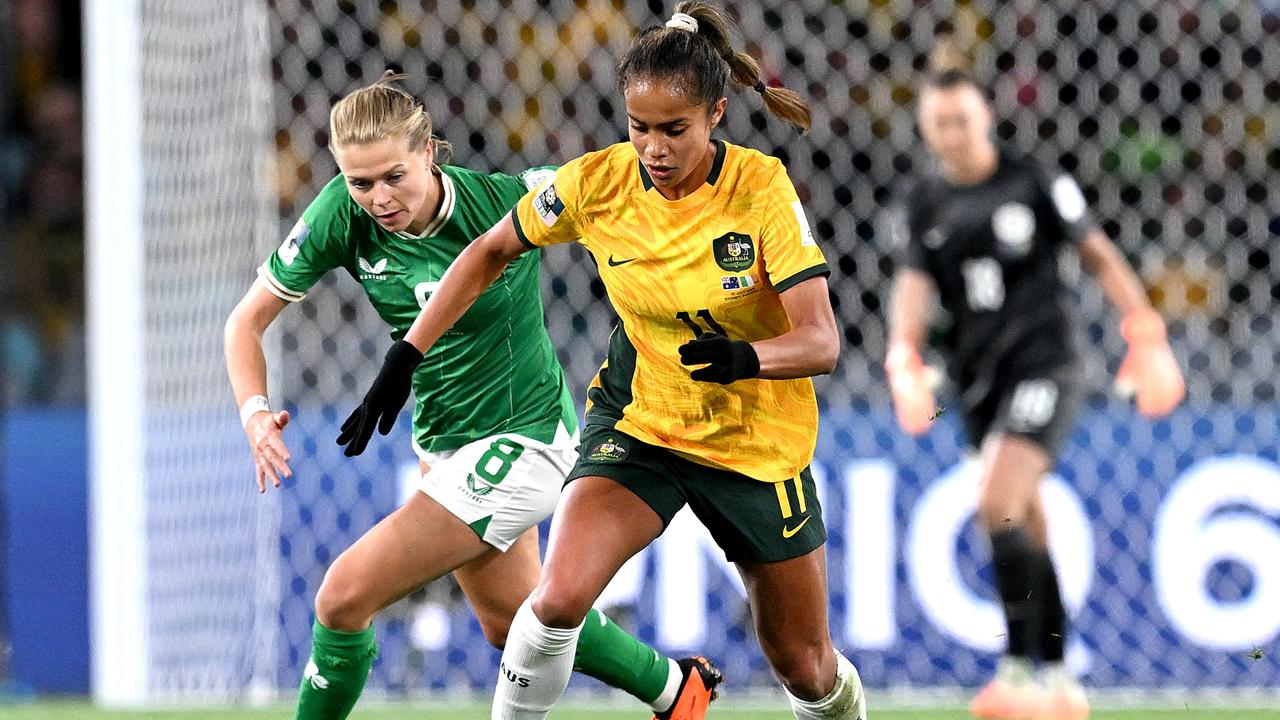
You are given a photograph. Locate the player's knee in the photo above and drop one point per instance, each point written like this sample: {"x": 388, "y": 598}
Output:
{"x": 806, "y": 669}
{"x": 996, "y": 513}
{"x": 560, "y": 607}
{"x": 341, "y": 604}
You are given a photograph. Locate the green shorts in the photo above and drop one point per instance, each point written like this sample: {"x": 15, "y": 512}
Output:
{"x": 751, "y": 520}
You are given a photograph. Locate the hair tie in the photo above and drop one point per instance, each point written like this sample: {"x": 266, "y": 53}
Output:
{"x": 683, "y": 21}
{"x": 759, "y": 87}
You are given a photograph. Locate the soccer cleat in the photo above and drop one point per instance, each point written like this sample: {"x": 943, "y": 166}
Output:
{"x": 1065, "y": 704}
{"x": 1064, "y": 697}
{"x": 1001, "y": 700}
{"x": 697, "y": 690}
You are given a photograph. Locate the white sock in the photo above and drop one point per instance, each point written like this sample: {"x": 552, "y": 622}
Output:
{"x": 846, "y": 700}
{"x": 1015, "y": 671}
{"x": 663, "y": 702}
{"x": 535, "y": 669}
{"x": 1057, "y": 676}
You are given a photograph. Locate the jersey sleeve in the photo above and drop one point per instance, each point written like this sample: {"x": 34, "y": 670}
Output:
{"x": 547, "y": 214}
{"x": 313, "y": 247}
{"x": 508, "y": 189}
{"x": 1069, "y": 206}
{"x": 787, "y": 246}
{"x": 536, "y": 176}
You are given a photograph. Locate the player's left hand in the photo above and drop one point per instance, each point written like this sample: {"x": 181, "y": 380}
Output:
{"x": 729, "y": 359}
{"x": 1149, "y": 369}
{"x": 382, "y": 404}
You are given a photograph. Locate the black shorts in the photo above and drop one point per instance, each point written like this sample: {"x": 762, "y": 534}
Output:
{"x": 1040, "y": 407}
{"x": 751, "y": 520}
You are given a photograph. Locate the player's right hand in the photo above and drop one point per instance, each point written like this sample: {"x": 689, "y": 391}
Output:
{"x": 913, "y": 401}
{"x": 270, "y": 456}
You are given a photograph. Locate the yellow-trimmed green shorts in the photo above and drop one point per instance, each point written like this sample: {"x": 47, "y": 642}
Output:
{"x": 751, "y": 520}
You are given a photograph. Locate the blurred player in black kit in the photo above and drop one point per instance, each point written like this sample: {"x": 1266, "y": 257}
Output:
{"x": 984, "y": 231}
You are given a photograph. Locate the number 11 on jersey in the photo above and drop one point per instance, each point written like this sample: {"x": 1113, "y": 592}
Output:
{"x": 705, "y": 316}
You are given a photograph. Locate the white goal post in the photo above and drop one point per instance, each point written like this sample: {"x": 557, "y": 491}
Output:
{"x": 179, "y": 146}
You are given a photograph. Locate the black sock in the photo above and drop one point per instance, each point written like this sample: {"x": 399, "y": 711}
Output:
{"x": 1053, "y": 616}
{"x": 1018, "y": 580}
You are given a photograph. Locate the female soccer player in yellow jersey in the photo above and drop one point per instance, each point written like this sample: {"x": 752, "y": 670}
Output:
{"x": 708, "y": 259}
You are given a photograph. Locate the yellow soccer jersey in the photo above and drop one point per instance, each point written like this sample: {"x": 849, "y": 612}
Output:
{"x": 713, "y": 261}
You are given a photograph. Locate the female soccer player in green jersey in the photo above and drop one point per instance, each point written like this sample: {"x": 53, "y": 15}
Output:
{"x": 494, "y": 427}
{"x": 708, "y": 259}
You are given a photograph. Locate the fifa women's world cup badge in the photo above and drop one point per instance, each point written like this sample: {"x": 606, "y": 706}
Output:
{"x": 734, "y": 251}
{"x": 548, "y": 205}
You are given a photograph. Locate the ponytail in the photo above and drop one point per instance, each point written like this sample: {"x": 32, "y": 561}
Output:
{"x": 695, "y": 45}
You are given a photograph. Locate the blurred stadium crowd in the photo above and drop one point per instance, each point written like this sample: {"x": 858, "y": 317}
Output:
{"x": 41, "y": 203}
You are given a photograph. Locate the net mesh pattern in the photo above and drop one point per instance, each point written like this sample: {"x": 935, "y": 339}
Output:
{"x": 1165, "y": 113}
{"x": 205, "y": 149}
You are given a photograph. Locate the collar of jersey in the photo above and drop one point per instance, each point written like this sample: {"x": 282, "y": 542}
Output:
{"x": 442, "y": 217}
{"x": 695, "y": 197}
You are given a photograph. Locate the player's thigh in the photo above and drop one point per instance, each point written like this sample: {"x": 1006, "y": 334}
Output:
{"x": 480, "y": 497}
{"x": 417, "y": 543}
{"x": 1011, "y": 469}
{"x": 1033, "y": 418}
{"x": 496, "y": 583}
{"x": 502, "y": 487}
{"x": 789, "y": 607}
{"x": 599, "y": 526}
{"x": 618, "y": 500}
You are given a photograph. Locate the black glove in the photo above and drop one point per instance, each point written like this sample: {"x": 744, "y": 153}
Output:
{"x": 729, "y": 359}
{"x": 384, "y": 400}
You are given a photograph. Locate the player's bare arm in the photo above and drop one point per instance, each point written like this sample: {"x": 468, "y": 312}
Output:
{"x": 1149, "y": 370}
{"x": 468, "y": 276}
{"x": 812, "y": 345}
{"x": 913, "y": 400}
{"x": 247, "y": 370}
{"x": 1103, "y": 260}
{"x": 909, "y": 304}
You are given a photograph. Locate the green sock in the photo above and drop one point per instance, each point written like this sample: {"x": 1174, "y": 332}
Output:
{"x": 335, "y": 674}
{"x": 610, "y": 654}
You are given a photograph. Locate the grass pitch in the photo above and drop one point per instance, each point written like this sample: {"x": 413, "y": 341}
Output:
{"x": 79, "y": 710}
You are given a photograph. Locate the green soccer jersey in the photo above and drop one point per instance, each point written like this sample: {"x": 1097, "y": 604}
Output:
{"x": 495, "y": 370}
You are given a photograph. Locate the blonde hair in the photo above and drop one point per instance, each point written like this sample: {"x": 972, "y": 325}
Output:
{"x": 703, "y": 53}
{"x": 379, "y": 111}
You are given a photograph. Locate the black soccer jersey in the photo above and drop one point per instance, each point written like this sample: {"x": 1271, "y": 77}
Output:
{"x": 992, "y": 250}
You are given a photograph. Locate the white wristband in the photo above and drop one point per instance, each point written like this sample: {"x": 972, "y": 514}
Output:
{"x": 255, "y": 404}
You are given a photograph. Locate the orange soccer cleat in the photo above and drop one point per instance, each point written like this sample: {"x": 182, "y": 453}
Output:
{"x": 1064, "y": 696}
{"x": 697, "y": 690}
{"x": 1012, "y": 695}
